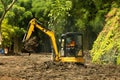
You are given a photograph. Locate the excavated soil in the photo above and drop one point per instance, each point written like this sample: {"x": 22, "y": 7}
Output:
{"x": 40, "y": 67}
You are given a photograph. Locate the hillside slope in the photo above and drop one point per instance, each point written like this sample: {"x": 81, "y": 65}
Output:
{"x": 106, "y": 48}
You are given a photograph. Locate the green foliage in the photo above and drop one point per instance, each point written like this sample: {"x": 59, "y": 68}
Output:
{"x": 27, "y": 14}
{"x": 89, "y": 14}
{"x": 102, "y": 8}
{"x": 41, "y": 8}
{"x": 15, "y": 15}
{"x": 98, "y": 22}
{"x": 9, "y": 32}
{"x": 18, "y": 16}
{"x": 58, "y": 15}
{"x": 6, "y": 2}
{"x": 10, "y": 15}
{"x": 25, "y": 3}
{"x": 1, "y": 10}
{"x": 106, "y": 48}
{"x": 81, "y": 13}
{"x": 82, "y": 18}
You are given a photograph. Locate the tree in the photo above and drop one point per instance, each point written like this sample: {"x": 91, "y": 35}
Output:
{"x": 58, "y": 16}
{"x": 18, "y": 19}
{"x": 9, "y": 33}
{"x": 6, "y": 5}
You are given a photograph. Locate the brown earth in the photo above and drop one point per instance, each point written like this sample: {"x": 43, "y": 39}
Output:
{"x": 40, "y": 67}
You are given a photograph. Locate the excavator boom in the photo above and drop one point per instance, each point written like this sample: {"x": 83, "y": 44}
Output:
{"x": 32, "y": 24}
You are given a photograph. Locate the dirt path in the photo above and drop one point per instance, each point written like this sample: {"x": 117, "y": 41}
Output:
{"x": 40, "y": 67}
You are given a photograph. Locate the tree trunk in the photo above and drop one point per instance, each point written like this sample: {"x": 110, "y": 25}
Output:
{"x": 88, "y": 39}
{"x": 16, "y": 45}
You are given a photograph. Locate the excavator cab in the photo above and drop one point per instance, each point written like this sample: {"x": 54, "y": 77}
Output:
{"x": 71, "y": 49}
{"x": 71, "y": 44}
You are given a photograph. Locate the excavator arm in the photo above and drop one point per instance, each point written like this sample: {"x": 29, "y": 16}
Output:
{"x": 32, "y": 24}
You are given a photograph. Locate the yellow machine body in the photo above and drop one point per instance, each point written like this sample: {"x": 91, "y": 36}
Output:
{"x": 61, "y": 54}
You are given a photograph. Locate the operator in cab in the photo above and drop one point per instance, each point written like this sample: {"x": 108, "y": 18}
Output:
{"x": 71, "y": 47}
{"x": 70, "y": 42}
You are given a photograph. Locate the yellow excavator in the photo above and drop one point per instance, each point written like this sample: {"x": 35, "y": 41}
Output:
{"x": 71, "y": 44}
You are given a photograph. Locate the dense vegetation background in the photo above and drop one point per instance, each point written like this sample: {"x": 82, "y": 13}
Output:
{"x": 86, "y": 16}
